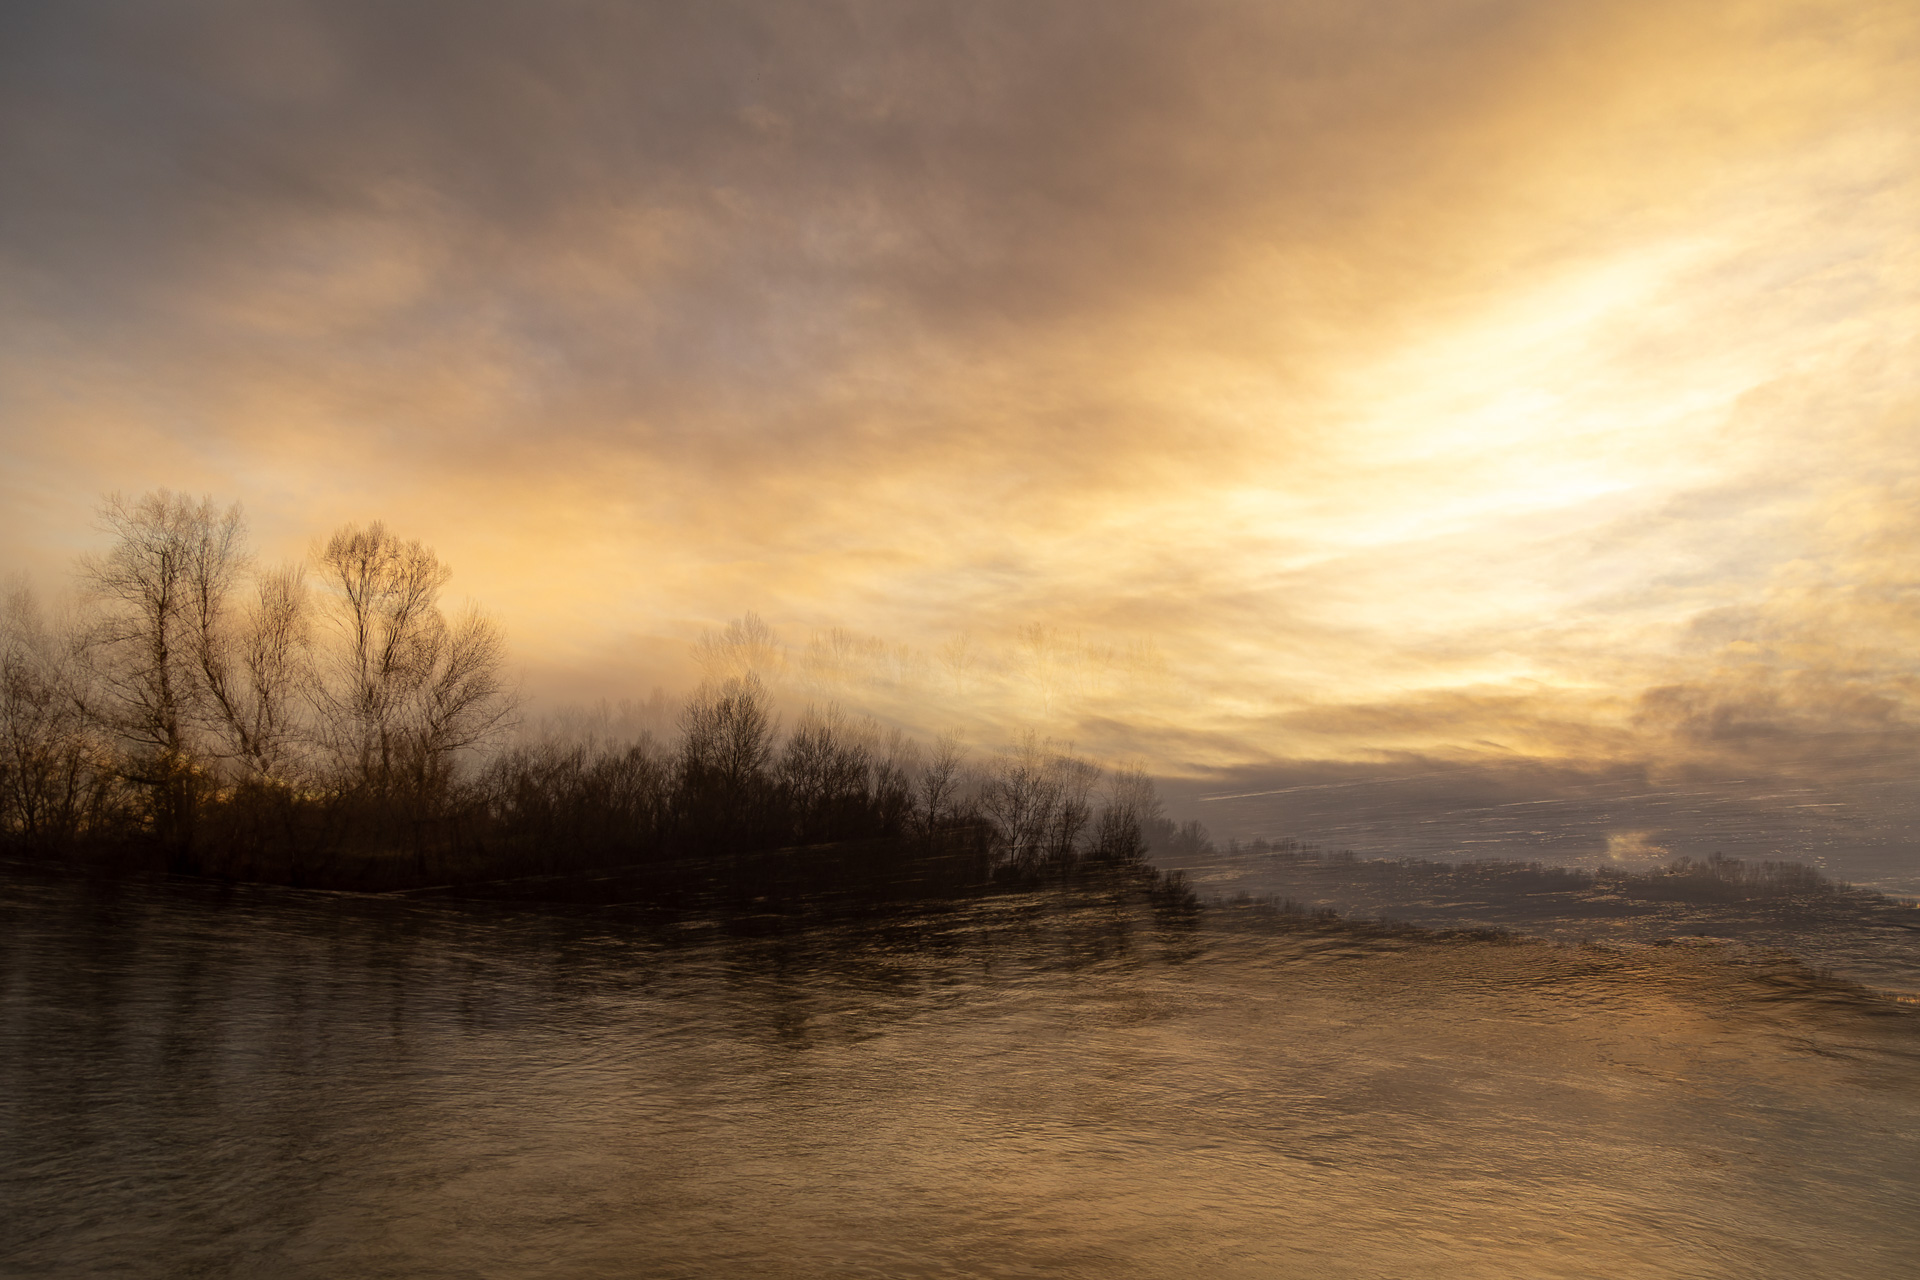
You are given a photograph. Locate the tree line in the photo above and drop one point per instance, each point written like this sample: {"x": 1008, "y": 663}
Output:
{"x": 334, "y": 723}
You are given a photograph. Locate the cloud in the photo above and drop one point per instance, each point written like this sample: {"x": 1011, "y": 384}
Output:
{"x": 1411, "y": 375}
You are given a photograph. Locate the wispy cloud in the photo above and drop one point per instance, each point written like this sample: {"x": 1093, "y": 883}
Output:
{"x": 1468, "y": 376}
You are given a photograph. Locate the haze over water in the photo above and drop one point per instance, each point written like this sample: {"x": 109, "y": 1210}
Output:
{"x": 242, "y": 1082}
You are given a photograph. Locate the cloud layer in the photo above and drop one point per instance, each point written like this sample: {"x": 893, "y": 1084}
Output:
{"x": 1239, "y": 381}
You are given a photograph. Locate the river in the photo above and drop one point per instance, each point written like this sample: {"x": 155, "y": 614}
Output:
{"x": 198, "y": 1081}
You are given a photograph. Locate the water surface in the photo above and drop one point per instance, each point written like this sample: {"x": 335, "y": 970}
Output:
{"x": 251, "y": 1082}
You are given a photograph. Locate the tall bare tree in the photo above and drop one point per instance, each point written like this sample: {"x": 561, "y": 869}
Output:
{"x": 1073, "y": 780}
{"x": 1019, "y": 796}
{"x": 256, "y": 669}
{"x": 940, "y": 781}
{"x": 1038, "y": 798}
{"x": 404, "y": 689}
{"x": 157, "y": 593}
{"x": 726, "y": 748}
{"x": 896, "y": 772}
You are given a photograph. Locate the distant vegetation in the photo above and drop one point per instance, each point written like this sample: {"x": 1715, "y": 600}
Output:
{"x": 332, "y": 724}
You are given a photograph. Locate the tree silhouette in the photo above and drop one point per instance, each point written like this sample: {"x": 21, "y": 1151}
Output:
{"x": 403, "y": 688}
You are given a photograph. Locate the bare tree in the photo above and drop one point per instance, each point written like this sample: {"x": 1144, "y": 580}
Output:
{"x": 824, "y": 774}
{"x": 55, "y": 778}
{"x": 940, "y": 780}
{"x": 726, "y": 745}
{"x": 1019, "y": 796}
{"x": 729, "y": 729}
{"x": 896, "y": 769}
{"x": 1039, "y": 799}
{"x": 1132, "y": 809}
{"x": 404, "y": 690}
{"x": 747, "y": 646}
{"x": 160, "y": 588}
{"x": 960, "y": 655}
{"x": 257, "y": 671}
{"x": 1073, "y": 780}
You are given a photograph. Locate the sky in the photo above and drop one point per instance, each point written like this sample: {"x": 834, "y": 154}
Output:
{"x": 1218, "y": 385}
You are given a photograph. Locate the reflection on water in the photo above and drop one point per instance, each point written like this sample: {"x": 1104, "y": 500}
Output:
{"x": 266, "y": 1083}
